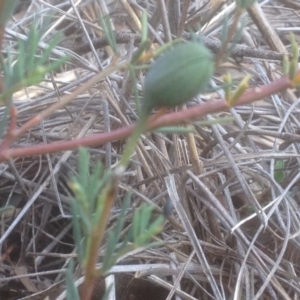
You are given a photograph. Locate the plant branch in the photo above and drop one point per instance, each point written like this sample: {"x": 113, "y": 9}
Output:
{"x": 179, "y": 117}
{"x": 68, "y": 98}
{"x": 16, "y": 133}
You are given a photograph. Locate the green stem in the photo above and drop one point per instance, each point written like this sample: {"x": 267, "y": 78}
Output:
{"x": 133, "y": 140}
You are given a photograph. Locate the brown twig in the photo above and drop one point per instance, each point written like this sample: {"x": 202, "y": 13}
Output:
{"x": 266, "y": 29}
{"x": 238, "y": 50}
{"x": 288, "y": 138}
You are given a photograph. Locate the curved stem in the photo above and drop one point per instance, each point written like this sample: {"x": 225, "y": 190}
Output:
{"x": 178, "y": 117}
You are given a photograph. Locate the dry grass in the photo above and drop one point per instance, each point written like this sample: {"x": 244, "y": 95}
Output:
{"x": 217, "y": 178}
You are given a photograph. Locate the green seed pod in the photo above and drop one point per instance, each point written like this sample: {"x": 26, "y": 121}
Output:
{"x": 177, "y": 76}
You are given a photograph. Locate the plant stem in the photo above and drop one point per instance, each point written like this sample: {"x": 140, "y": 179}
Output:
{"x": 179, "y": 117}
{"x": 66, "y": 99}
{"x": 96, "y": 238}
{"x": 141, "y": 126}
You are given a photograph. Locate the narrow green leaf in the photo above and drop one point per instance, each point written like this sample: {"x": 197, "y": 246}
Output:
{"x": 84, "y": 159}
{"x": 77, "y": 231}
{"x": 143, "y": 46}
{"x": 6, "y": 208}
{"x": 279, "y": 174}
{"x": 294, "y": 62}
{"x": 135, "y": 89}
{"x": 56, "y": 63}
{"x": 136, "y": 225}
{"x": 47, "y": 52}
{"x": 31, "y": 47}
{"x": 109, "y": 33}
{"x": 146, "y": 212}
{"x": 144, "y": 34}
{"x": 100, "y": 205}
{"x": 95, "y": 186}
{"x": 285, "y": 65}
{"x": 86, "y": 222}
{"x": 155, "y": 228}
{"x": 113, "y": 259}
{"x": 72, "y": 291}
{"x": 3, "y": 121}
{"x": 176, "y": 129}
{"x": 109, "y": 251}
{"x": 114, "y": 237}
{"x": 19, "y": 69}
{"x": 78, "y": 191}
{"x": 121, "y": 218}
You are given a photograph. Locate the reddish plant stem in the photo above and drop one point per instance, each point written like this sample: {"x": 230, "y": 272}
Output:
{"x": 96, "y": 238}
{"x": 179, "y": 117}
{"x": 13, "y": 120}
{"x": 14, "y": 134}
